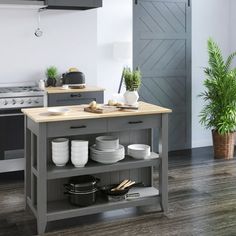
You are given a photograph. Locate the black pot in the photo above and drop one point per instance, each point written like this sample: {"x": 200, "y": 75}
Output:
{"x": 82, "y": 183}
{"x": 51, "y": 82}
{"x": 82, "y": 190}
{"x": 82, "y": 198}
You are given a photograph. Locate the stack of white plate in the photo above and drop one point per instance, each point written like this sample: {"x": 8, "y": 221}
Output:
{"x": 107, "y": 143}
{"x": 60, "y": 151}
{"x": 107, "y": 150}
{"x": 139, "y": 151}
{"x": 107, "y": 156}
{"x": 79, "y": 152}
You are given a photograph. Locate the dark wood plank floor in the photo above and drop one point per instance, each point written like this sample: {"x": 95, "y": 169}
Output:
{"x": 202, "y": 202}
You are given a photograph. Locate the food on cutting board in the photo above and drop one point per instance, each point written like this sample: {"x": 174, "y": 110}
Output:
{"x": 114, "y": 103}
{"x": 94, "y": 106}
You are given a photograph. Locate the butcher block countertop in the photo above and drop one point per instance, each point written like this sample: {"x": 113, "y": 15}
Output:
{"x": 41, "y": 115}
{"x": 51, "y": 90}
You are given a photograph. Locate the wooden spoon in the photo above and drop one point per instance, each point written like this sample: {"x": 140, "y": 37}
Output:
{"x": 127, "y": 185}
{"x": 120, "y": 185}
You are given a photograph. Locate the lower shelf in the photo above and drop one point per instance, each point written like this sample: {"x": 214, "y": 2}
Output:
{"x": 63, "y": 209}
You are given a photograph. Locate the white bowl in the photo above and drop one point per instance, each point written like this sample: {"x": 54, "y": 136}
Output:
{"x": 60, "y": 160}
{"x": 79, "y": 143}
{"x": 60, "y": 142}
{"x": 139, "y": 151}
{"x": 107, "y": 142}
{"x": 56, "y": 111}
{"x": 79, "y": 161}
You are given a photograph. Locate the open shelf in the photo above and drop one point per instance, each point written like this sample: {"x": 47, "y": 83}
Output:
{"x": 63, "y": 209}
{"x": 93, "y": 167}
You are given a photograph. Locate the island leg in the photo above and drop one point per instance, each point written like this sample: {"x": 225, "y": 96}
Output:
{"x": 163, "y": 167}
{"x": 42, "y": 179}
{"x": 27, "y": 156}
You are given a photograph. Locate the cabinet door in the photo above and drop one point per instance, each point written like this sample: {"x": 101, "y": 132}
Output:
{"x": 66, "y": 99}
{"x": 162, "y": 50}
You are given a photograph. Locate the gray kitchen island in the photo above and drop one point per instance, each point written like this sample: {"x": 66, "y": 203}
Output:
{"x": 44, "y": 193}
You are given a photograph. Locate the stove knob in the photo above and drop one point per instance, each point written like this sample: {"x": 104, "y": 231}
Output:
{"x": 5, "y": 102}
{"x": 30, "y": 101}
{"x": 13, "y": 101}
{"x": 22, "y": 101}
{"x": 36, "y": 101}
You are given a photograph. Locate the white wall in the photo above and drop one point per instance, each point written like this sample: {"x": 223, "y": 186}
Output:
{"x": 69, "y": 40}
{"x": 210, "y": 18}
{"x": 232, "y": 27}
{"x": 114, "y": 25}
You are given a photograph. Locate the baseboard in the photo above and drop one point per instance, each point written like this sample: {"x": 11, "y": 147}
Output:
{"x": 202, "y": 143}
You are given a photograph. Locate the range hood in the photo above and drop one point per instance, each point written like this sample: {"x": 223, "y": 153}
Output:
{"x": 73, "y": 4}
{"x": 52, "y": 4}
{"x": 24, "y": 4}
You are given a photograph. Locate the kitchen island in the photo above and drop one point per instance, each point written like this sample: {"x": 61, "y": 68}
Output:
{"x": 44, "y": 181}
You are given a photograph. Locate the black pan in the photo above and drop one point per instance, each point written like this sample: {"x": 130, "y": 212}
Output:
{"x": 107, "y": 189}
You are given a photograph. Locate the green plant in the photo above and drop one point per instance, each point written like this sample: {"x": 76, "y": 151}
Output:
{"x": 52, "y": 72}
{"x": 132, "y": 79}
{"x": 219, "y": 111}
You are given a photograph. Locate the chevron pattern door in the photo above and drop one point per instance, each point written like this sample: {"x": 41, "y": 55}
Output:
{"x": 162, "y": 50}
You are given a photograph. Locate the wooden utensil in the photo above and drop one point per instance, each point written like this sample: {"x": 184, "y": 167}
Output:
{"x": 120, "y": 185}
{"x": 129, "y": 184}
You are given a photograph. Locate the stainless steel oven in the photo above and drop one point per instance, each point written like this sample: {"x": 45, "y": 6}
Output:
{"x": 12, "y": 100}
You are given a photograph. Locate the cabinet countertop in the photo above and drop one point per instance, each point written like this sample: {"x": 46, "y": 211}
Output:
{"x": 41, "y": 115}
{"x": 52, "y": 90}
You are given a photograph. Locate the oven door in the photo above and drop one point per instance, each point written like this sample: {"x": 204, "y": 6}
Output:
{"x": 11, "y": 140}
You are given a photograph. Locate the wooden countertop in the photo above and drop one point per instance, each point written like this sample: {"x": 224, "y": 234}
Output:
{"x": 41, "y": 115}
{"x": 51, "y": 90}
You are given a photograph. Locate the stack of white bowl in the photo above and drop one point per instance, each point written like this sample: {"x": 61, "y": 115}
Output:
{"x": 60, "y": 151}
{"x": 139, "y": 151}
{"x": 107, "y": 150}
{"x": 79, "y": 152}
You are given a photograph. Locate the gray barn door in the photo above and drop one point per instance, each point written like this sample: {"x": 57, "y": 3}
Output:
{"x": 162, "y": 50}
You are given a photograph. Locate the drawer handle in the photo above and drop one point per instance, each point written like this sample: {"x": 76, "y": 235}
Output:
{"x": 76, "y": 95}
{"x": 135, "y": 122}
{"x": 78, "y": 127}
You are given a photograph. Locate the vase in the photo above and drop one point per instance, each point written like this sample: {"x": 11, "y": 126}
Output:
{"x": 51, "y": 82}
{"x": 223, "y": 145}
{"x": 131, "y": 98}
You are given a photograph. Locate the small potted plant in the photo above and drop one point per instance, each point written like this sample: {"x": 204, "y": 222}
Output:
{"x": 219, "y": 111}
{"x": 132, "y": 80}
{"x": 51, "y": 74}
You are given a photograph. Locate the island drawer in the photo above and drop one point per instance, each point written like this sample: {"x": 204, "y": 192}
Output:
{"x": 76, "y": 127}
{"x": 133, "y": 122}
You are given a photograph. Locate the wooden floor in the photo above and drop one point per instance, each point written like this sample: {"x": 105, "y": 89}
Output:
{"x": 202, "y": 202}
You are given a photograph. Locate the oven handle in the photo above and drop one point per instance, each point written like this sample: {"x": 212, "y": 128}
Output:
{"x": 13, "y": 114}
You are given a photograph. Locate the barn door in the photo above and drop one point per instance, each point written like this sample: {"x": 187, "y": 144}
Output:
{"x": 162, "y": 50}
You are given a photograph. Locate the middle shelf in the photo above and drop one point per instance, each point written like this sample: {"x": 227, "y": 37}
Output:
{"x": 92, "y": 167}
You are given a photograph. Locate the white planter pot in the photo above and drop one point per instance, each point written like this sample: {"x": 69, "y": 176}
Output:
{"x": 131, "y": 97}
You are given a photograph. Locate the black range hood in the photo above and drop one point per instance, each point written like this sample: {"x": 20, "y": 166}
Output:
{"x": 73, "y": 4}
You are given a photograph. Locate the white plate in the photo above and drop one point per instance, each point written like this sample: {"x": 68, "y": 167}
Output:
{"x": 107, "y": 151}
{"x": 56, "y": 111}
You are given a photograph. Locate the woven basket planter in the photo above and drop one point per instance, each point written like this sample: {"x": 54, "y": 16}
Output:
{"x": 223, "y": 145}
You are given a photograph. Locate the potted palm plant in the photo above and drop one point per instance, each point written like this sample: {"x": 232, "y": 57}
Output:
{"x": 51, "y": 74}
{"x": 219, "y": 111}
{"x": 132, "y": 81}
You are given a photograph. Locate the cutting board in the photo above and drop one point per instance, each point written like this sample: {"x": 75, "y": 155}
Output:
{"x": 101, "y": 110}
